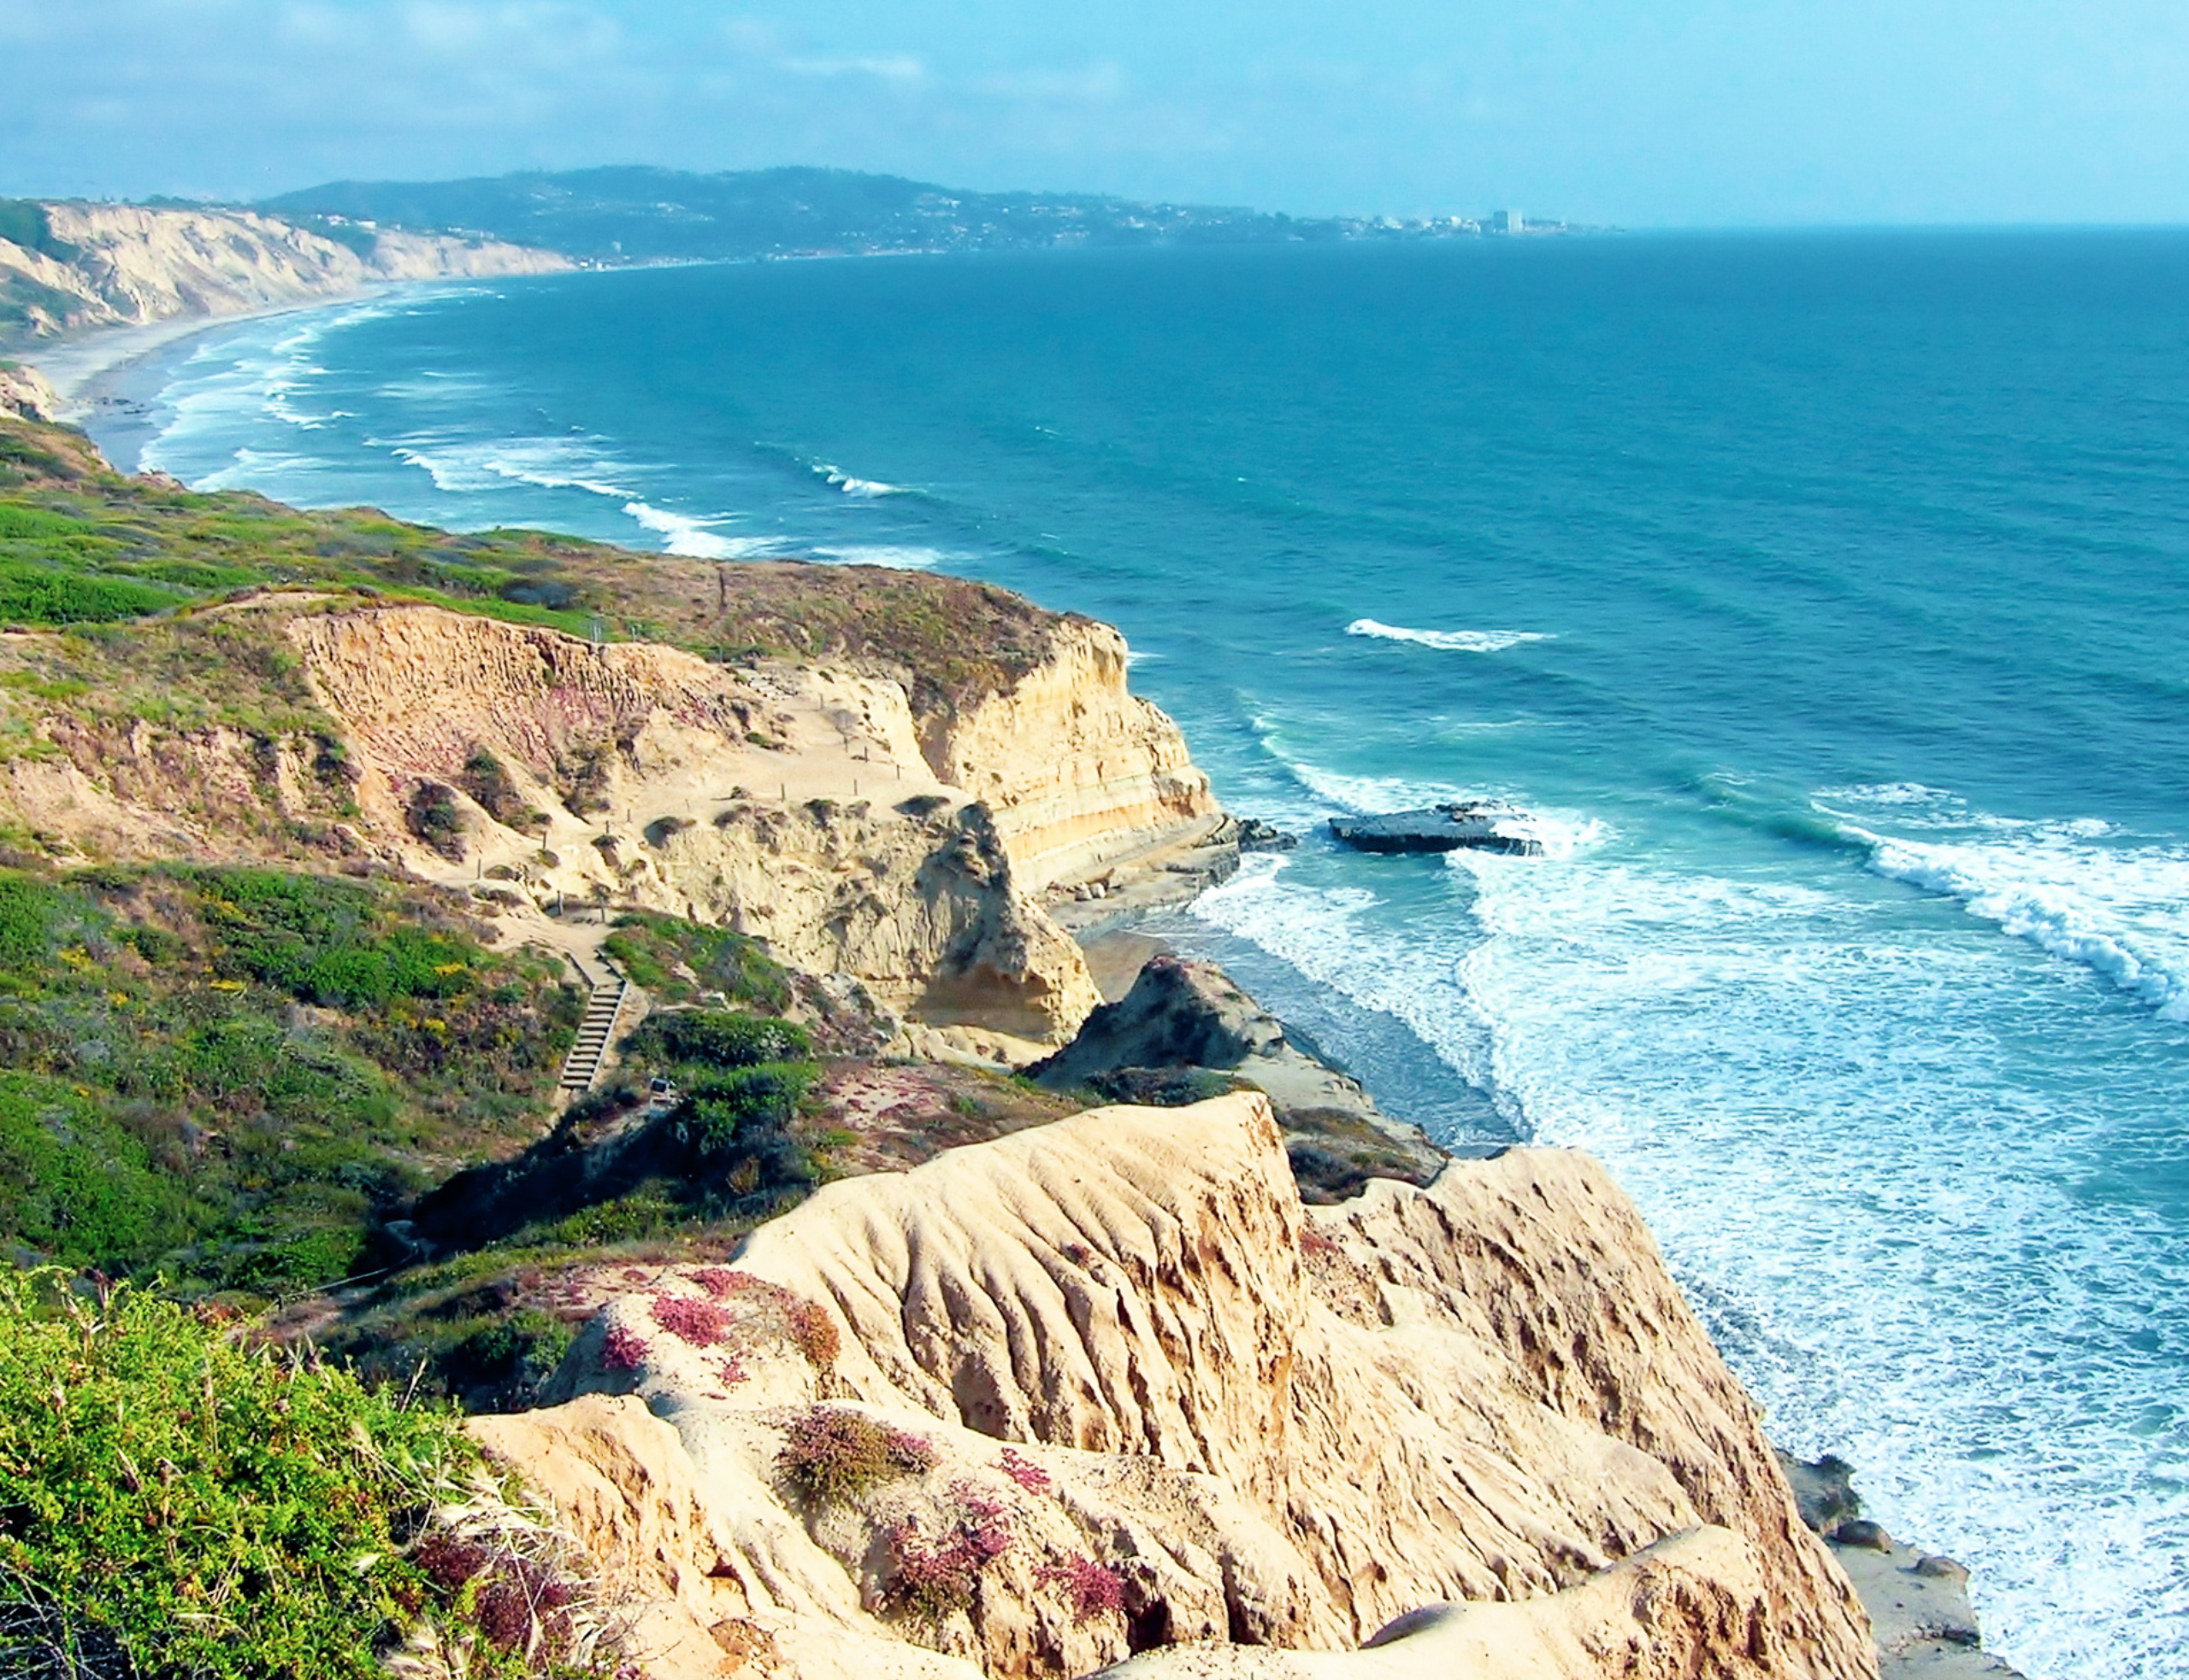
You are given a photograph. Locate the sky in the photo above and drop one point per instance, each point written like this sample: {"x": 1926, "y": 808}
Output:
{"x": 1638, "y": 113}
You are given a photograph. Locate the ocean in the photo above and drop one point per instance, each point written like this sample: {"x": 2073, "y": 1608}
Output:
{"x": 1828, "y": 594}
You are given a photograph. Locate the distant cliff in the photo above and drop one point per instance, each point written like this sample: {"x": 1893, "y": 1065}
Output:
{"x": 66, "y": 267}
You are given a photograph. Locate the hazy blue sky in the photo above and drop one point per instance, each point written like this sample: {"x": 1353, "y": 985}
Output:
{"x": 1635, "y": 111}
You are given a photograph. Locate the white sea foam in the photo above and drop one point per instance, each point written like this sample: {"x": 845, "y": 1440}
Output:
{"x": 864, "y": 488}
{"x": 463, "y": 466}
{"x": 1561, "y": 833}
{"x": 698, "y": 537}
{"x": 1728, "y": 1042}
{"x": 898, "y": 556}
{"x": 1451, "y": 641}
{"x": 2122, "y": 913}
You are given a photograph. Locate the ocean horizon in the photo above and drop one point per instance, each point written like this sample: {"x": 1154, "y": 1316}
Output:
{"x": 1824, "y": 594}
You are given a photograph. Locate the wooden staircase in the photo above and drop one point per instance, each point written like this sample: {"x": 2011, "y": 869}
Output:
{"x": 604, "y": 1007}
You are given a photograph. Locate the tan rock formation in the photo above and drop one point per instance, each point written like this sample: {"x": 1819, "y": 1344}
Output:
{"x": 1078, "y": 770}
{"x": 134, "y": 266}
{"x": 1689, "y": 1606}
{"x": 1257, "y": 1423}
{"x": 767, "y": 800}
{"x": 24, "y": 392}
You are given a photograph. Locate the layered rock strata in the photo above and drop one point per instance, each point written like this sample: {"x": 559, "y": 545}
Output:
{"x": 1155, "y": 1400}
{"x": 1079, "y": 771}
{"x": 125, "y": 265}
{"x": 794, "y": 802}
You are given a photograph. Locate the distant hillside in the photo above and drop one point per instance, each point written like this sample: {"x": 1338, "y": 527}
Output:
{"x": 639, "y": 214}
{"x": 66, "y": 267}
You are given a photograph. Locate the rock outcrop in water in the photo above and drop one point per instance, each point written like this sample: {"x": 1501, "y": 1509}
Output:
{"x": 1185, "y": 1023}
{"x": 1141, "y": 1396}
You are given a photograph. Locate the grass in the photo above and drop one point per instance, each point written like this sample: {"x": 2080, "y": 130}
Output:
{"x": 679, "y": 962}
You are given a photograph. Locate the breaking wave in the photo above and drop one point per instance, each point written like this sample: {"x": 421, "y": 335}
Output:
{"x": 1451, "y": 641}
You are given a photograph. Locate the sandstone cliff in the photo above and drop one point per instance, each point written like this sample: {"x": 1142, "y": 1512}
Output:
{"x": 24, "y": 392}
{"x": 1143, "y": 1396}
{"x": 1078, "y": 770}
{"x": 107, "y": 265}
{"x": 795, "y": 802}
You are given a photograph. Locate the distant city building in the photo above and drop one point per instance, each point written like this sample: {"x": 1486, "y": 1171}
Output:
{"x": 1506, "y": 221}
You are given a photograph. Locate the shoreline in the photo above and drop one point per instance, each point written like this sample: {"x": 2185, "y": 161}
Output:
{"x": 84, "y": 367}
{"x": 1918, "y": 1602}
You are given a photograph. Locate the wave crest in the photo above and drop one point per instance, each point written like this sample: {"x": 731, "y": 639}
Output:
{"x": 2081, "y": 904}
{"x": 1451, "y": 641}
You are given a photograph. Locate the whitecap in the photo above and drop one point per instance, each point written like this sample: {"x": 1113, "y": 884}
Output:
{"x": 901, "y": 558}
{"x": 465, "y": 467}
{"x": 695, "y": 537}
{"x": 865, "y": 489}
{"x": 1451, "y": 641}
{"x": 2117, "y": 911}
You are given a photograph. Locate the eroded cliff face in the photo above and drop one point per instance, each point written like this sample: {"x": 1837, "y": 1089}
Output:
{"x": 1155, "y": 1400}
{"x": 1078, "y": 770}
{"x": 24, "y": 392}
{"x": 792, "y": 802}
{"x": 133, "y": 265}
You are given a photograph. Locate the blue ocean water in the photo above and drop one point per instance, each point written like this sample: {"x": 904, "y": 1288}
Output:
{"x": 1830, "y": 594}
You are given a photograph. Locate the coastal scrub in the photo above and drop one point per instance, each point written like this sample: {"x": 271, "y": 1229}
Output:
{"x": 235, "y": 1514}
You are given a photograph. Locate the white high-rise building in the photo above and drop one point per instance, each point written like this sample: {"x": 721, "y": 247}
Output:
{"x": 1506, "y": 221}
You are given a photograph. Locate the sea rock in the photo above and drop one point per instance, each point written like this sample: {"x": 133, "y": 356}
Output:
{"x": 1255, "y": 835}
{"x": 1184, "y": 1017}
{"x": 1918, "y": 1603}
{"x": 1241, "y": 1420}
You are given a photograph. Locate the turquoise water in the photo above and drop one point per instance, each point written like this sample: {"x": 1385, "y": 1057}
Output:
{"x": 1828, "y": 594}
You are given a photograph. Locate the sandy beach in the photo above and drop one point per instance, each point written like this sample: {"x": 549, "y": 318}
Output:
{"x": 108, "y": 379}
{"x": 80, "y": 368}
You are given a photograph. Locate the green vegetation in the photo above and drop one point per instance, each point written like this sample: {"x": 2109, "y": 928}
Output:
{"x": 680, "y": 962}
{"x": 699, "y": 1043}
{"x": 234, "y": 1075}
{"x": 80, "y": 544}
{"x": 225, "y": 1513}
{"x": 831, "y": 1453}
{"x": 23, "y": 222}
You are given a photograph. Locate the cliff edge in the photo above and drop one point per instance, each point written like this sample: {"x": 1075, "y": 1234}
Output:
{"x": 1118, "y": 1390}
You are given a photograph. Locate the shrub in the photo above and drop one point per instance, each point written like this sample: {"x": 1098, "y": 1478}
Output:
{"x": 934, "y": 1579}
{"x": 720, "y": 1106}
{"x": 812, "y": 1332}
{"x": 217, "y": 1511}
{"x": 1024, "y": 1471}
{"x": 624, "y": 1350}
{"x": 699, "y": 1323}
{"x": 718, "y": 1039}
{"x": 487, "y": 781}
{"x": 830, "y": 1455}
{"x": 432, "y": 816}
{"x": 677, "y": 960}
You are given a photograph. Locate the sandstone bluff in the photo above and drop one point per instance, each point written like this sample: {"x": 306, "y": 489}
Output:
{"x": 1476, "y": 1419}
